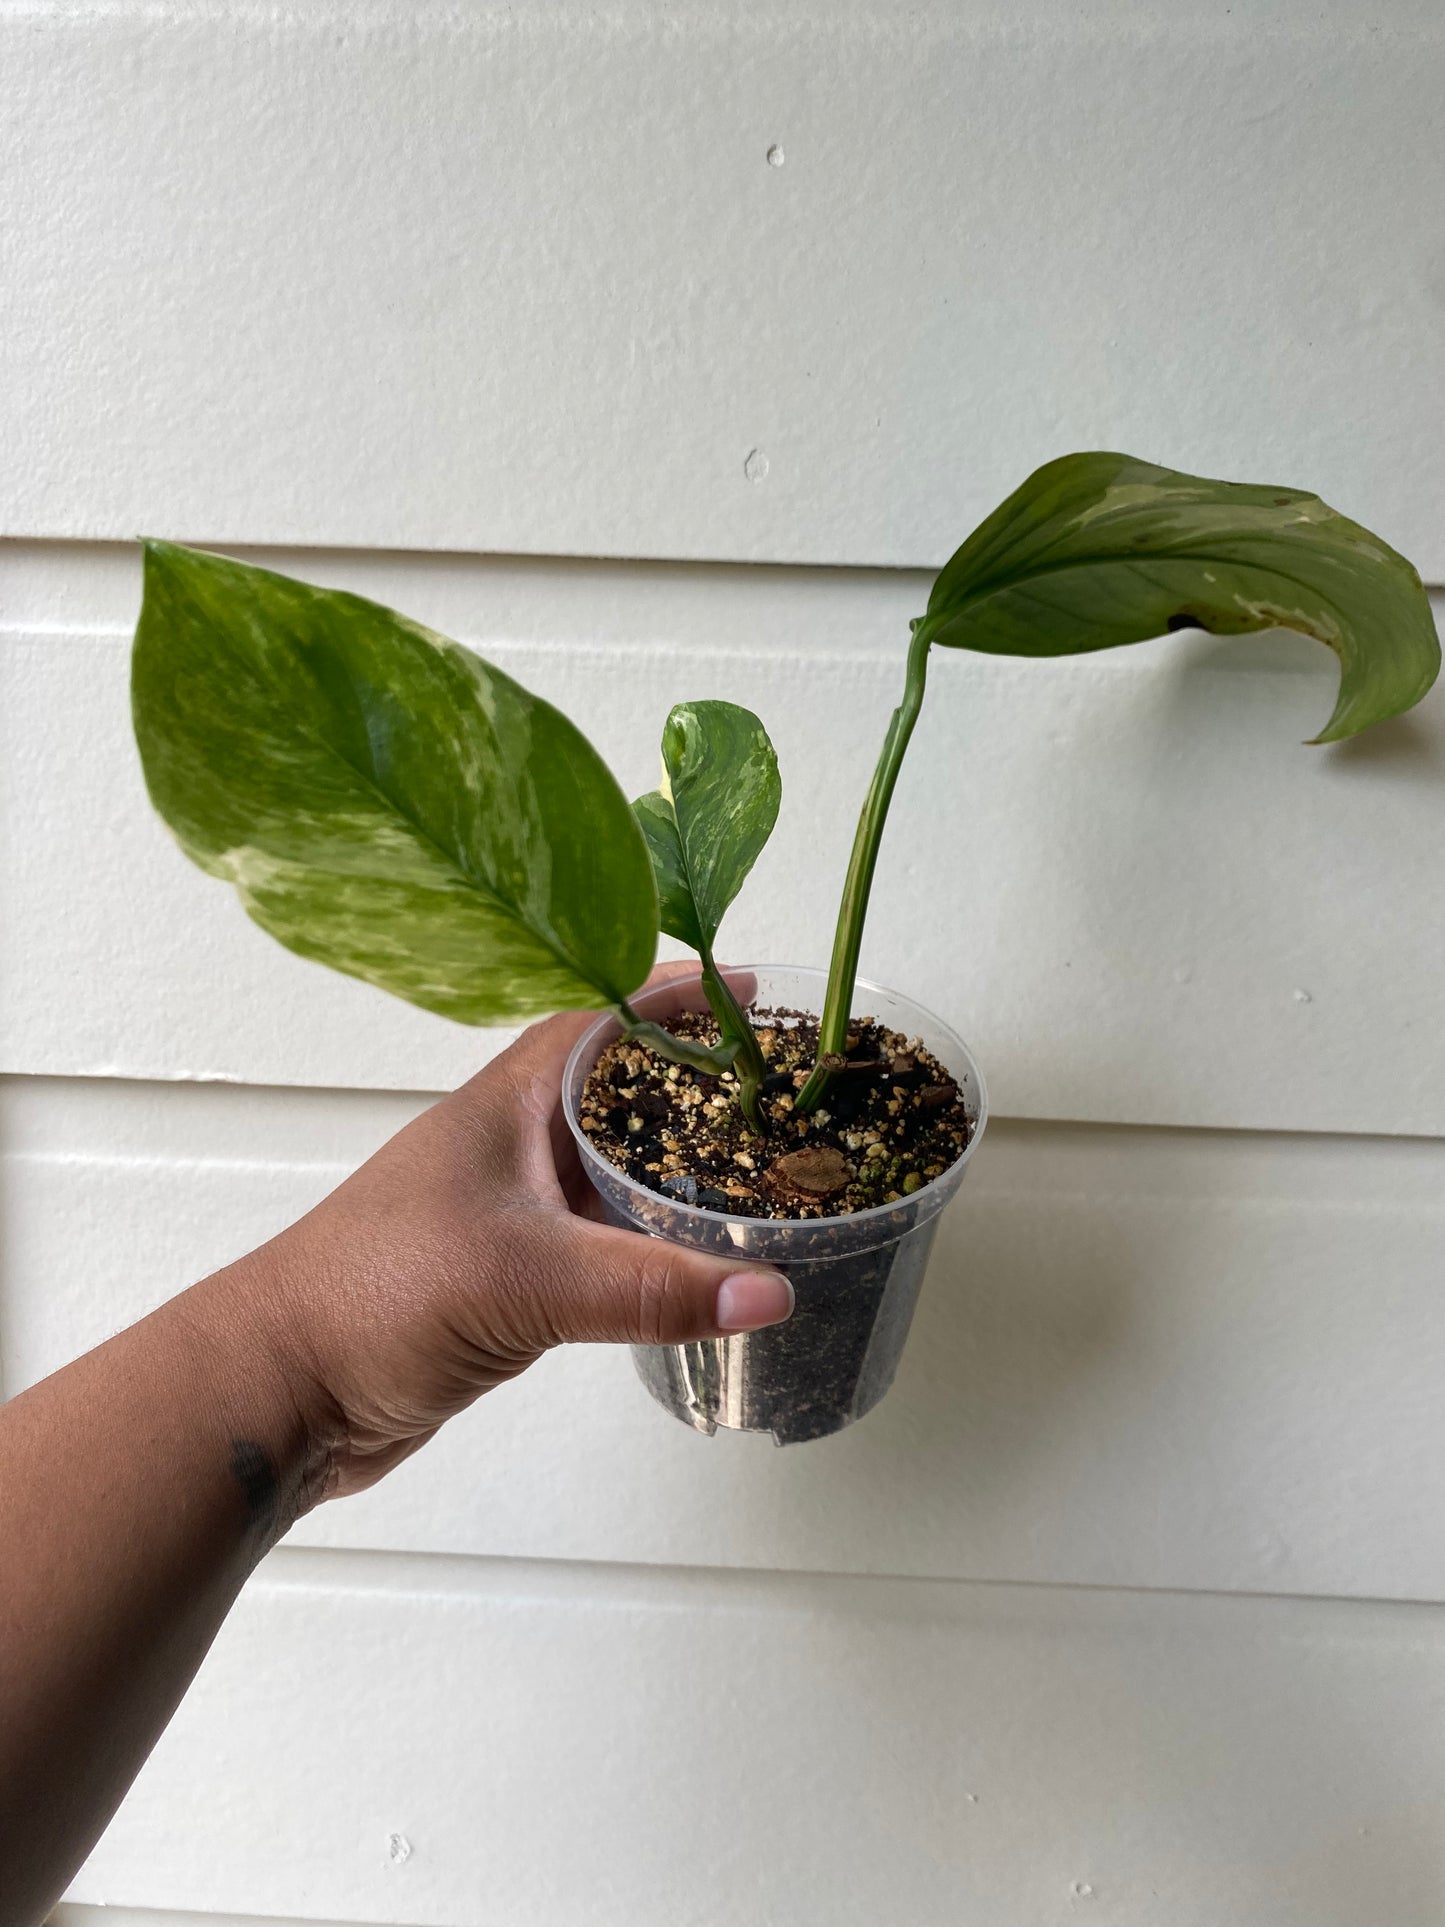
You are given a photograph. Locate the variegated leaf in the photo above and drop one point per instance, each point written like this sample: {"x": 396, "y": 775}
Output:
{"x": 1100, "y": 549}
{"x": 706, "y": 826}
{"x": 383, "y": 800}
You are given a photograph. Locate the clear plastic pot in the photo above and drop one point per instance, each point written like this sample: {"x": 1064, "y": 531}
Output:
{"x": 856, "y": 1278}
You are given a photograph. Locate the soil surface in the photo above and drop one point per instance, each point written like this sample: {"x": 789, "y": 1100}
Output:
{"x": 891, "y": 1120}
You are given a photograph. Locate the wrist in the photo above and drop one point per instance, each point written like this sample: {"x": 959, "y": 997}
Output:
{"x": 281, "y": 1427}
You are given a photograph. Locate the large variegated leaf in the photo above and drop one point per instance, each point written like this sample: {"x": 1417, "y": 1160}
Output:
{"x": 715, "y": 811}
{"x": 1099, "y": 549}
{"x": 383, "y": 800}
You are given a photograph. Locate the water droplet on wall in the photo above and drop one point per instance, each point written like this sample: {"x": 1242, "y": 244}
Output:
{"x": 398, "y": 1849}
{"x": 755, "y": 467}
{"x": 776, "y": 156}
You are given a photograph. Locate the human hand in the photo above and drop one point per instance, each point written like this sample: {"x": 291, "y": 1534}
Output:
{"x": 458, "y": 1254}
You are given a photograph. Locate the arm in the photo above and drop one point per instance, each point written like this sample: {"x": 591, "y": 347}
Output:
{"x": 140, "y": 1485}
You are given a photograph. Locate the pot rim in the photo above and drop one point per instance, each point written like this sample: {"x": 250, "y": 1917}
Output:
{"x": 875, "y": 1214}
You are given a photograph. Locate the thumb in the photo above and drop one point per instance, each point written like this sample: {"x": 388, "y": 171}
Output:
{"x": 609, "y": 1286}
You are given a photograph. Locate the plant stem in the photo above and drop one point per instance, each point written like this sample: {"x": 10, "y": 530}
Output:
{"x": 678, "y": 1050}
{"x": 848, "y": 938}
{"x": 738, "y": 1049}
{"x": 733, "y": 1023}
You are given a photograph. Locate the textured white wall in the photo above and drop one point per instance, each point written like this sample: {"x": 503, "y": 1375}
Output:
{"x": 522, "y": 277}
{"x": 1128, "y": 1606}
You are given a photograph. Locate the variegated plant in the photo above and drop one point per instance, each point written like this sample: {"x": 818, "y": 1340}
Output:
{"x": 388, "y": 803}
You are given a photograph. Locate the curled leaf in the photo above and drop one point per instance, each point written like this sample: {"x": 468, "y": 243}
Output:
{"x": 1099, "y": 549}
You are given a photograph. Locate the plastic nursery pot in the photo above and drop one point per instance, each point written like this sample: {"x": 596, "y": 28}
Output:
{"x": 856, "y": 1278}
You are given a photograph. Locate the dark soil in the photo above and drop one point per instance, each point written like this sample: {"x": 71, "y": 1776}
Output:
{"x": 891, "y": 1120}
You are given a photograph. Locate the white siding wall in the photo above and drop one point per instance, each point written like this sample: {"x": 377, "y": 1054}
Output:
{"x": 1128, "y": 1606}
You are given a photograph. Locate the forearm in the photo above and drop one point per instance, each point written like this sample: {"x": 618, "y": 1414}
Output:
{"x": 138, "y": 1488}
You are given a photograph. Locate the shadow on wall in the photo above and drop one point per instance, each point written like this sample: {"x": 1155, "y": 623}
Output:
{"x": 1405, "y": 746}
{"x": 1411, "y": 746}
{"x": 1058, "y": 1355}
{"x": 1015, "y": 1328}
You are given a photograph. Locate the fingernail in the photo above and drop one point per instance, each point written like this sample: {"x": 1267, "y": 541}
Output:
{"x": 752, "y": 1298}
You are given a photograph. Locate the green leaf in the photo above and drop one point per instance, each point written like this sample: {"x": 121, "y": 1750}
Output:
{"x": 383, "y": 800}
{"x": 1095, "y": 550}
{"x": 715, "y": 811}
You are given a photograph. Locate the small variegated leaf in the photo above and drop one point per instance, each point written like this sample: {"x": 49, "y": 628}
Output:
{"x": 1094, "y": 550}
{"x": 706, "y": 826}
{"x": 383, "y": 800}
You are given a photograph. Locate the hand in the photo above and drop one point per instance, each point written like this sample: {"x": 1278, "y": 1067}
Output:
{"x": 459, "y": 1254}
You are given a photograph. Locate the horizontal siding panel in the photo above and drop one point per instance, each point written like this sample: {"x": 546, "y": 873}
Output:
{"x": 1121, "y": 877}
{"x": 523, "y": 278}
{"x": 1144, "y": 1359}
{"x": 441, "y": 1745}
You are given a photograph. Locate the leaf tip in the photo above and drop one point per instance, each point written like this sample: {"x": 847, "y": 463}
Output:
{"x": 160, "y": 558}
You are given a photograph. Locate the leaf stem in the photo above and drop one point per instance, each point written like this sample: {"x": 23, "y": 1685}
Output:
{"x": 678, "y": 1050}
{"x": 738, "y": 1049}
{"x": 848, "y": 938}
{"x": 732, "y": 1021}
